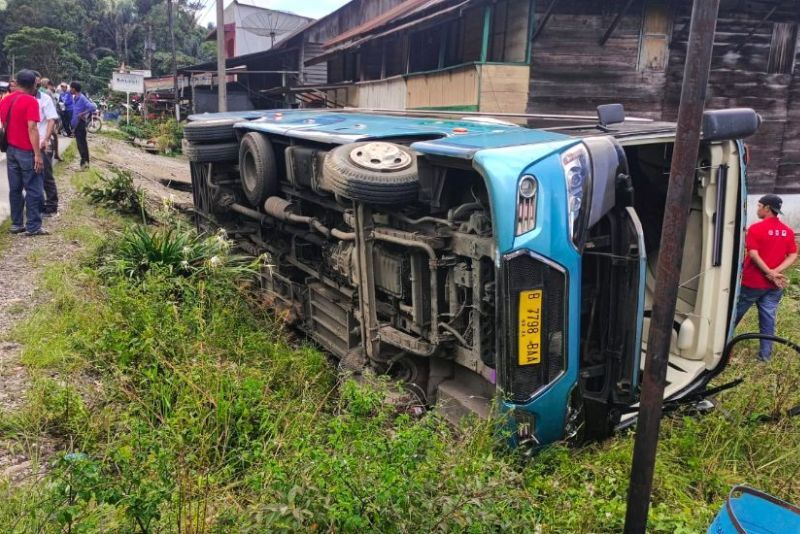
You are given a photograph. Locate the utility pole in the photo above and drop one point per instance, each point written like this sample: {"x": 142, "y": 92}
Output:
{"x": 176, "y": 98}
{"x": 673, "y": 236}
{"x": 222, "y": 81}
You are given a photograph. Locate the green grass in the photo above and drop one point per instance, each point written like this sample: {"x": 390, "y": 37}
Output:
{"x": 113, "y": 133}
{"x": 5, "y": 235}
{"x": 178, "y": 404}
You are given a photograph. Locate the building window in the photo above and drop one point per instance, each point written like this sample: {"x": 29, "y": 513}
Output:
{"x": 395, "y": 56}
{"x": 508, "y": 39}
{"x": 471, "y": 34}
{"x": 342, "y": 68}
{"x": 372, "y": 61}
{"x": 424, "y": 53}
{"x": 656, "y": 30}
{"x": 782, "y": 49}
{"x": 453, "y": 40}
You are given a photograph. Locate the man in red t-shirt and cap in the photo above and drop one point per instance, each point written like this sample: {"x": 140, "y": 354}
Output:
{"x": 19, "y": 113}
{"x": 771, "y": 249}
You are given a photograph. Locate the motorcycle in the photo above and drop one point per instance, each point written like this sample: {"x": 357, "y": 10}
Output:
{"x": 94, "y": 123}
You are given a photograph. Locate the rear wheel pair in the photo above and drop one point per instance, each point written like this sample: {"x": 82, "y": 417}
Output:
{"x": 372, "y": 172}
{"x": 375, "y": 172}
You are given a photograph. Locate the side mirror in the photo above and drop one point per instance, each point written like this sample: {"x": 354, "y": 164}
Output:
{"x": 608, "y": 114}
{"x": 734, "y": 123}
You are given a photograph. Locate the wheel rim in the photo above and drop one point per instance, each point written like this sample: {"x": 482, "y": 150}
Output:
{"x": 379, "y": 156}
{"x": 249, "y": 171}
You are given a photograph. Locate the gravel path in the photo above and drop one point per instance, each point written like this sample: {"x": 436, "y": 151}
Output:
{"x": 21, "y": 263}
{"x": 22, "y": 260}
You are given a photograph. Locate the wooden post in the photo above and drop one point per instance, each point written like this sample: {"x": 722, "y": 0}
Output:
{"x": 668, "y": 270}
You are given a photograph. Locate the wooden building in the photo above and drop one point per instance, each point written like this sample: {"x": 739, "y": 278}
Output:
{"x": 261, "y": 80}
{"x": 587, "y": 53}
{"x": 568, "y": 56}
{"x": 427, "y": 54}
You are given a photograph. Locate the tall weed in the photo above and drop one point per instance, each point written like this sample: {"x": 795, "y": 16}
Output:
{"x": 117, "y": 192}
{"x": 172, "y": 252}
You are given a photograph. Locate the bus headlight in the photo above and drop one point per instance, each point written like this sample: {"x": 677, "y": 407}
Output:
{"x": 578, "y": 175}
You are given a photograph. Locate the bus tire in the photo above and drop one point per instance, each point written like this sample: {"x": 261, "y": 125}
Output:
{"x": 216, "y": 153}
{"x": 372, "y": 172}
{"x": 210, "y": 131}
{"x": 257, "y": 168}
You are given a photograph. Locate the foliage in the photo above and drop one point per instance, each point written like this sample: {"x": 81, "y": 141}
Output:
{"x": 141, "y": 250}
{"x": 166, "y": 133}
{"x": 33, "y": 48}
{"x": 168, "y": 136}
{"x": 103, "y": 70}
{"x": 117, "y": 192}
{"x": 176, "y": 402}
{"x": 129, "y": 30}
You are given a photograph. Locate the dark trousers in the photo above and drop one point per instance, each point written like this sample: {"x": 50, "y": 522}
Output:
{"x": 24, "y": 189}
{"x": 66, "y": 121}
{"x": 50, "y": 189}
{"x": 80, "y": 140}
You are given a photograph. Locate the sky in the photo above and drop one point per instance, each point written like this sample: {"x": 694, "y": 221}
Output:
{"x": 307, "y": 8}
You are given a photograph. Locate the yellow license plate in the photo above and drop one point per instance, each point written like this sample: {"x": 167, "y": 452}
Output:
{"x": 530, "y": 327}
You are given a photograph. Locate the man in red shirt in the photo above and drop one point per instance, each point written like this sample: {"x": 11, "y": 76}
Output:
{"x": 771, "y": 249}
{"x": 19, "y": 113}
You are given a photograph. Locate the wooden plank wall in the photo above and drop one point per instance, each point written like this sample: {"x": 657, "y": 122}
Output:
{"x": 387, "y": 94}
{"x": 504, "y": 88}
{"x": 315, "y": 74}
{"x": 739, "y": 78}
{"x": 571, "y": 73}
{"x": 343, "y": 96}
{"x": 788, "y": 180}
{"x": 455, "y": 87}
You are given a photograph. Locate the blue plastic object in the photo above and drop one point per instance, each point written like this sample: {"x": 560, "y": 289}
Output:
{"x": 749, "y": 511}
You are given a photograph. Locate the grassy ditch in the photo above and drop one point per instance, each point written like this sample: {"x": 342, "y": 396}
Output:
{"x": 179, "y": 404}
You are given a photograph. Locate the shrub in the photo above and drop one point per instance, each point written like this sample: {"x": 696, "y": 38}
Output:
{"x": 173, "y": 252}
{"x": 116, "y": 192}
{"x": 165, "y": 133}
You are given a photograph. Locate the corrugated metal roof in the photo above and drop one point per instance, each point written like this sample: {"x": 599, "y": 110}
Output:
{"x": 399, "y": 12}
{"x": 411, "y": 23}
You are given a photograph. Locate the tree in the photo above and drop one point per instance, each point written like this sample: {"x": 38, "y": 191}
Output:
{"x": 33, "y": 49}
{"x": 103, "y": 70}
{"x": 131, "y": 31}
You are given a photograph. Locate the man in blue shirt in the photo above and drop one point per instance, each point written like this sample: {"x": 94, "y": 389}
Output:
{"x": 82, "y": 109}
{"x": 65, "y": 99}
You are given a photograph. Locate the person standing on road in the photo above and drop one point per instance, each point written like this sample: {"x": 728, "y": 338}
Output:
{"x": 82, "y": 108}
{"x": 47, "y": 122}
{"x": 771, "y": 249}
{"x": 19, "y": 113}
{"x": 49, "y": 88}
{"x": 65, "y": 99}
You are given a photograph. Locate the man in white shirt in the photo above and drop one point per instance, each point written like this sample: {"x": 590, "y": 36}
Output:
{"x": 48, "y": 115}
